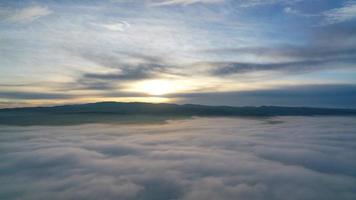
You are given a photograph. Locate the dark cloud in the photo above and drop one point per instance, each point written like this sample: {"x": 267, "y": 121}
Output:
{"x": 301, "y": 59}
{"x": 141, "y": 67}
{"x": 142, "y": 71}
{"x": 230, "y": 68}
{"x": 117, "y": 59}
{"x": 339, "y": 95}
{"x": 124, "y": 66}
{"x": 86, "y": 84}
{"x": 329, "y": 47}
{"x": 212, "y": 158}
{"x": 291, "y": 52}
{"x": 34, "y": 95}
{"x": 13, "y": 85}
{"x": 104, "y": 92}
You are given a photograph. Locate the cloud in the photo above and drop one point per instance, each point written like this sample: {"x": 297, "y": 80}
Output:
{"x": 183, "y": 2}
{"x": 116, "y": 26}
{"x": 65, "y": 94}
{"x": 88, "y": 84}
{"x": 293, "y": 11}
{"x": 211, "y": 158}
{"x": 338, "y": 15}
{"x": 29, "y": 14}
{"x": 240, "y": 3}
{"x": 324, "y": 95}
{"x": 127, "y": 66}
{"x": 34, "y": 95}
{"x": 161, "y": 40}
{"x": 296, "y": 53}
{"x": 137, "y": 73}
{"x": 254, "y": 3}
{"x": 332, "y": 48}
{"x": 290, "y": 10}
{"x": 293, "y": 67}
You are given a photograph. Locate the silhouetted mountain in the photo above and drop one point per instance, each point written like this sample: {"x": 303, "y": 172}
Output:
{"x": 133, "y": 112}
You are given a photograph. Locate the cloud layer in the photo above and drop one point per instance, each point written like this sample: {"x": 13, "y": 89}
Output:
{"x": 312, "y": 95}
{"x": 54, "y": 52}
{"x": 217, "y": 158}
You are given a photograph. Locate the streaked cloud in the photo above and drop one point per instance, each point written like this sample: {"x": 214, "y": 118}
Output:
{"x": 304, "y": 66}
{"x": 182, "y": 2}
{"x": 253, "y": 3}
{"x": 116, "y": 26}
{"x": 124, "y": 66}
{"x": 14, "y": 95}
{"x": 287, "y": 59}
{"x": 98, "y": 47}
{"x": 29, "y": 14}
{"x": 293, "y": 11}
{"x": 342, "y": 14}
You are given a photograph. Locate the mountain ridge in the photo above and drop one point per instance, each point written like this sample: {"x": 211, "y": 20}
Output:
{"x": 122, "y": 112}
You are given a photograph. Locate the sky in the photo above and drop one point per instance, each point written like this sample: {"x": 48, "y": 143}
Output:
{"x": 214, "y": 52}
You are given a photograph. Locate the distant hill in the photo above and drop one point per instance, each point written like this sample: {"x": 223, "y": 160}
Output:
{"x": 112, "y": 112}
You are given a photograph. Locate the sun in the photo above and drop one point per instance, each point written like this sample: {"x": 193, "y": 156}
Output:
{"x": 156, "y": 87}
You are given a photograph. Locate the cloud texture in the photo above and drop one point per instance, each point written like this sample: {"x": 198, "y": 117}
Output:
{"x": 29, "y": 14}
{"x": 56, "y": 52}
{"x": 217, "y": 158}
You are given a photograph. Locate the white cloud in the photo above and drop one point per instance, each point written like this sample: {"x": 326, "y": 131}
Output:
{"x": 242, "y": 3}
{"x": 293, "y": 11}
{"x": 338, "y": 15}
{"x": 183, "y": 2}
{"x": 212, "y": 158}
{"x": 252, "y": 3}
{"x": 29, "y": 14}
{"x": 117, "y": 26}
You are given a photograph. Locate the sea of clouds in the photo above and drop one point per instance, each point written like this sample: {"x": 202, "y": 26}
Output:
{"x": 286, "y": 158}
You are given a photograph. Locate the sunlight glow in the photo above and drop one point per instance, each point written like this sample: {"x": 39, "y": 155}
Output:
{"x": 156, "y": 87}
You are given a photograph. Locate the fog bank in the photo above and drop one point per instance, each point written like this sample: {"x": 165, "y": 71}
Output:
{"x": 202, "y": 158}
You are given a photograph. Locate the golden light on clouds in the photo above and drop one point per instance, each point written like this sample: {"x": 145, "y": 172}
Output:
{"x": 159, "y": 87}
{"x": 156, "y": 87}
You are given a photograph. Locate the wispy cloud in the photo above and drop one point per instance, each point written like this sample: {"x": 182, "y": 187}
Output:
{"x": 126, "y": 66}
{"x": 108, "y": 46}
{"x": 115, "y": 26}
{"x": 29, "y": 14}
{"x": 182, "y": 2}
{"x": 253, "y": 3}
{"x": 240, "y": 3}
{"x": 288, "y": 59}
{"x": 293, "y": 11}
{"x": 342, "y": 14}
